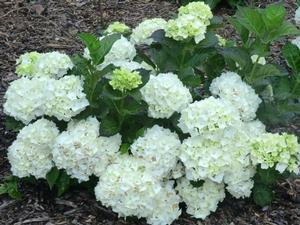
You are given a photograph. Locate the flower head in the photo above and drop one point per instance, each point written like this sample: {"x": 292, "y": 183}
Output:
{"x": 26, "y": 62}
{"x": 165, "y": 94}
{"x": 117, "y": 27}
{"x": 123, "y": 80}
{"x": 31, "y": 152}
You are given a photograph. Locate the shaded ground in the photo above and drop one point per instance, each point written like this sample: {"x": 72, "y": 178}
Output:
{"x": 52, "y": 25}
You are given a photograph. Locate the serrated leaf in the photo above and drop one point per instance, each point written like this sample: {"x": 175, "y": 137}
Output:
{"x": 132, "y": 107}
{"x": 238, "y": 55}
{"x": 63, "y": 183}
{"x": 264, "y": 71}
{"x": 273, "y": 16}
{"x": 109, "y": 126}
{"x": 262, "y": 195}
{"x": 13, "y": 125}
{"x": 98, "y": 48}
{"x": 52, "y": 177}
{"x": 291, "y": 53}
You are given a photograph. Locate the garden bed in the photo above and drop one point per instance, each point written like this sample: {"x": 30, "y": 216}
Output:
{"x": 52, "y": 26}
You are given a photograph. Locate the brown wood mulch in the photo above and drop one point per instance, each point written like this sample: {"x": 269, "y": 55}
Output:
{"x": 47, "y": 25}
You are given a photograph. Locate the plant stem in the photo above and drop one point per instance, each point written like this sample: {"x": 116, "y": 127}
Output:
{"x": 250, "y": 80}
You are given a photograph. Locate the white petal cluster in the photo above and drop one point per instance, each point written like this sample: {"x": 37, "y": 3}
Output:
{"x": 297, "y": 16}
{"x": 208, "y": 116}
{"x": 27, "y": 99}
{"x": 159, "y": 147}
{"x": 68, "y": 98}
{"x": 142, "y": 33}
{"x": 275, "y": 150}
{"x": 122, "y": 50}
{"x": 31, "y": 153}
{"x": 229, "y": 86}
{"x": 204, "y": 158}
{"x": 81, "y": 152}
{"x": 258, "y": 59}
{"x": 129, "y": 190}
{"x": 51, "y": 64}
{"x": 192, "y": 22}
{"x": 165, "y": 94}
{"x": 203, "y": 200}
{"x": 238, "y": 178}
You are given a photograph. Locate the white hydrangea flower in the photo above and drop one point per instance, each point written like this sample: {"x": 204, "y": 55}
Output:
{"x": 81, "y": 152}
{"x": 204, "y": 158}
{"x": 229, "y": 86}
{"x": 261, "y": 60}
{"x": 165, "y": 94}
{"x": 142, "y": 33}
{"x": 186, "y": 26}
{"x": 30, "y": 153}
{"x": 68, "y": 98}
{"x": 297, "y": 16}
{"x": 275, "y": 150}
{"x": 52, "y": 64}
{"x": 122, "y": 50}
{"x": 296, "y": 41}
{"x": 160, "y": 148}
{"x": 130, "y": 190}
{"x": 203, "y": 200}
{"x": 208, "y": 116}
{"x": 238, "y": 178}
{"x": 25, "y": 98}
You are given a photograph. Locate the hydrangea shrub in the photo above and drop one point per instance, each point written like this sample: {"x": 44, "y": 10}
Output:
{"x": 160, "y": 114}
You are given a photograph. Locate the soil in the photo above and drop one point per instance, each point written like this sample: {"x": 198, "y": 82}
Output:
{"x": 52, "y": 25}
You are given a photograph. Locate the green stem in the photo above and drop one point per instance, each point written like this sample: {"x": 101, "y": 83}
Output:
{"x": 250, "y": 80}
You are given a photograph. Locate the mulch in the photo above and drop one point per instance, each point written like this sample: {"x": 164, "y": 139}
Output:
{"x": 47, "y": 25}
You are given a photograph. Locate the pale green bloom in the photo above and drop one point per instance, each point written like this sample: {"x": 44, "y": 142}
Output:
{"x": 117, "y": 27}
{"x": 281, "y": 151}
{"x": 123, "y": 79}
{"x": 25, "y": 64}
{"x": 186, "y": 26}
{"x": 222, "y": 41}
{"x": 199, "y": 9}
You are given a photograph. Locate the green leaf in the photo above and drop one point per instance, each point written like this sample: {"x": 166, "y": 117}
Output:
{"x": 98, "y": 48}
{"x": 63, "y": 183}
{"x": 10, "y": 187}
{"x": 262, "y": 195}
{"x": 210, "y": 40}
{"x": 264, "y": 71}
{"x": 241, "y": 30}
{"x": 132, "y": 107}
{"x": 238, "y": 55}
{"x": 273, "y": 16}
{"x": 52, "y": 177}
{"x": 268, "y": 177}
{"x": 286, "y": 29}
{"x": 189, "y": 78}
{"x": 13, "y": 125}
{"x": 109, "y": 126}
{"x": 251, "y": 19}
{"x": 291, "y": 53}
{"x": 124, "y": 149}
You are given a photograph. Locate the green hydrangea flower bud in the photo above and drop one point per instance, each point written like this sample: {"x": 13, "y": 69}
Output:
{"x": 117, "y": 27}
{"x": 123, "y": 80}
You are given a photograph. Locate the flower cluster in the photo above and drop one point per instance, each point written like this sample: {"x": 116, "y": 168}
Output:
{"x": 81, "y": 152}
{"x": 160, "y": 147}
{"x": 51, "y": 64}
{"x": 275, "y": 150}
{"x": 229, "y": 86}
{"x": 208, "y": 196}
{"x": 31, "y": 153}
{"x": 142, "y": 33}
{"x": 130, "y": 189}
{"x": 165, "y": 94}
{"x": 117, "y": 27}
{"x": 192, "y": 22}
{"x": 27, "y": 99}
{"x": 122, "y": 80}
